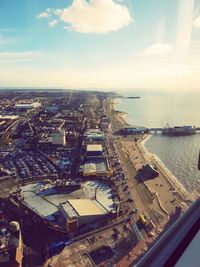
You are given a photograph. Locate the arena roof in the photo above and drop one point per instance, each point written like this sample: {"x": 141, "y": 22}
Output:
{"x": 46, "y": 200}
{"x": 86, "y": 207}
{"x": 69, "y": 211}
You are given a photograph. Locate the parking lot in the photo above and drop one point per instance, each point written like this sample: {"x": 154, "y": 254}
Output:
{"x": 29, "y": 165}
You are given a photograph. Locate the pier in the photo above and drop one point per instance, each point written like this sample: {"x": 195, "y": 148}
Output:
{"x": 176, "y": 131}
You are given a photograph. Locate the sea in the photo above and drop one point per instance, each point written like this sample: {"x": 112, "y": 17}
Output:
{"x": 155, "y": 109}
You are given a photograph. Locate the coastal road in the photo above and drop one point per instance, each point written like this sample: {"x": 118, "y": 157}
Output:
{"x": 143, "y": 199}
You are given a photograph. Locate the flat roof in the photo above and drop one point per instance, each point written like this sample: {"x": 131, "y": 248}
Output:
{"x": 27, "y": 105}
{"x": 93, "y": 148}
{"x": 69, "y": 209}
{"x": 94, "y": 131}
{"x": 100, "y": 165}
{"x": 40, "y": 204}
{"x": 90, "y": 168}
{"x": 86, "y": 207}
{"x": 8, "y": 117}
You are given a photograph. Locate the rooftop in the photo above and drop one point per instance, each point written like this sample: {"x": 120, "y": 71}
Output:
{"x": 96, "y": 166}
{"x": 27, "y": 105}
{"x": 93, "y": 148}
{"x": 90, "y": 168}
{"x": 86, "y": 207}
{"x": 8, "y": 117}
{"x": 45, "y": 199}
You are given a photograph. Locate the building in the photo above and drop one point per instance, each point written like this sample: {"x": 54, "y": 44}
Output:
{"x": 64, "y": 206}
{"x": 58, "y": 138}
{"x": 147, "y": 172}
{"x": 8, "y": 117}
{"x": 94, "y": 150}
{"x": 78, "y": 212}
{"x": 96, "y": 167}
{"x": 132, "y": 130}
{"x": 11, "y": 246}
{"x": 27, "y": 106}
{"x": 94, "y": 135}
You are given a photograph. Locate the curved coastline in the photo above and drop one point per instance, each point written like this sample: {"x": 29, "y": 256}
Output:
{"x": 150, "y": 157}
{"x": 158, "y": 162}
{"x": 160, "y": 199}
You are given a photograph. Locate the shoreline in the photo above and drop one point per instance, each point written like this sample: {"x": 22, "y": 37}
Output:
{"x": 158, "y": 199}
{"x": 163, "y": 193}
{"x": 155, "y": 159}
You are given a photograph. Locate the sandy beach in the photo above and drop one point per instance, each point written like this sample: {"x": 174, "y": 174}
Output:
{"x": 158, "y": 197}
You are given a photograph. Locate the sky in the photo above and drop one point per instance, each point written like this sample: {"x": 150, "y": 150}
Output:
{"x": 100, "y": 44}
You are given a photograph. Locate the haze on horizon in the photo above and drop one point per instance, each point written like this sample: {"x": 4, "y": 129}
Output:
{"x": 100, "y": 44}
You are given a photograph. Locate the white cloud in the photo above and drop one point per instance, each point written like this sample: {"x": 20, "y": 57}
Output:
{"x": 158, "y": 49}
{"x": 96, "y": 16}
{"x": 53, "y": 23}
{"x": 57, "y": 12}
{"x": 196, "y": 22}
{"x": 48, "y": 10}
{"x": 173, "y": 76}
{"x": 19, "y": 56}
{"x": 43, "y": 15}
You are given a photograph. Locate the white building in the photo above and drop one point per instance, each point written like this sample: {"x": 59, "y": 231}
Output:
{"x": 26, "y": 106}
{"x": 84, "y": 210}
{"x": 59, "y": 138}
{"x": 94, "y": 150}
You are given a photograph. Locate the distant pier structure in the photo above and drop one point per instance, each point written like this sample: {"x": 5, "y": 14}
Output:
{"x": 167, "y": 130}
